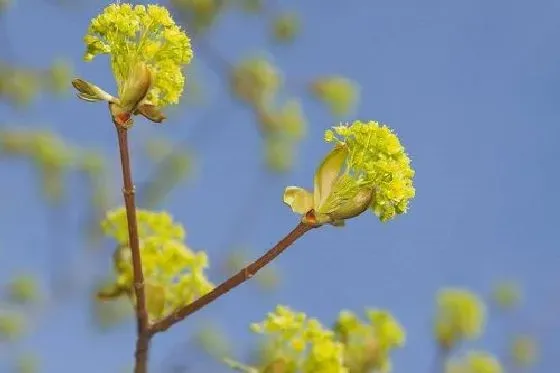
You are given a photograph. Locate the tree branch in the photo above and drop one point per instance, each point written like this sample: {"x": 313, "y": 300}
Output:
{"x": 143, "y": 335}
{"x": 232, "y": 282}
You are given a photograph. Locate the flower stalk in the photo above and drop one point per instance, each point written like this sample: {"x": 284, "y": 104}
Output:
{"x": 142, "y": 326}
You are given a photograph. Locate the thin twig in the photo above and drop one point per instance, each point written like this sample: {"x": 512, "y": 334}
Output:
{"x": 232, "y": 282}
{"x": 143, "y": 335}
{"x": 440, "y": 359}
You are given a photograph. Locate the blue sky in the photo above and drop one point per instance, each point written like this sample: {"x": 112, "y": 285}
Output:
{"x": 471, "y": 89}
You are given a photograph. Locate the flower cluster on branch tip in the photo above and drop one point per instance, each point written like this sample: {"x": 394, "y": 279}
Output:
{"x": 173, "y": 273}
{"x": 367, "y": 168}
{"x": 147, "y": 51}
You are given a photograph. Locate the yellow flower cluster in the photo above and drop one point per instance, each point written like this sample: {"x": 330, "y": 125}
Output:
{"x": 145, "y": 36}
{"x": 368, "y": 345}
{"x": 460, "y": 315}
{"x": 375, "y": 158}
{"x": 338, "y": 93}
{"x": 475, "y": 362}
{"x": 173, "y": 273}
{"x": 299, "y": 343}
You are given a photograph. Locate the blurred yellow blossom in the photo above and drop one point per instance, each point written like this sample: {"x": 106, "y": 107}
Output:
{"x": 460, "y": 315}
{"x": 338, "y": 93}
{"x": 368, "y": 345}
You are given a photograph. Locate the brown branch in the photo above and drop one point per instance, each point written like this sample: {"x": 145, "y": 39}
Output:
{"x": 143, "y": 335}
{"x": 232, "y": 282}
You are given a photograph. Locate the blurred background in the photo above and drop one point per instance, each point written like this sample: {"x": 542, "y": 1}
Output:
{"x": 470, "y": 88}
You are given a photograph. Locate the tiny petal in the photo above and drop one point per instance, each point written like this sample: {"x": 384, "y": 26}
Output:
{"x": 299, "y": 199}
{"x": 136, "y": 87}
{"x": 327, "y": 173}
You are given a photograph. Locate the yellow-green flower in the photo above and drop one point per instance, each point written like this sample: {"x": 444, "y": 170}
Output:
{"x": 460, "y": 315}
{"x": 147, "y": 51}
{"x": 296, "y": 343}
{"x": 368, "y": 345}
{"x": 367, "y": 168}
{"x": 173, "y": 273}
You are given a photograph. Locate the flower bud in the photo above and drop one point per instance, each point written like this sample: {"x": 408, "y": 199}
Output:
{"x": 91, "y": 92}
{"x": 136, "y": 87}
{"x": 353, "y": 207}
{"x": 150, "y": 112}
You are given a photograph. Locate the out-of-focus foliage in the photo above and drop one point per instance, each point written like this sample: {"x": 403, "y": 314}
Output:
{"x": 507, "y": 295}
{"x": 213, "y": 341}
{"x": 255, "y": 81}
{"x": 4, "y": 4}
{"x": 268, "y": 278}
{"x": 524, "y": 350}
{"x": 199, "y": 14}
{"x": 12, "y": 325}
{"x": 474, "y": 362}
{"x": 27, "y": 363}
{"x": 53, "y": 157}
{"x": 173, "y": 273}
{"x": 286, "y": 27}
{"x": 20, "y": 86}
{"x": 339, "y": 94}
{"x": 460, "y": 315}
{"x": 24, "y": 289}
{"x": 282, "y": 130}
{"x": 173, "y": 164}
{"x": 250, "y": 6}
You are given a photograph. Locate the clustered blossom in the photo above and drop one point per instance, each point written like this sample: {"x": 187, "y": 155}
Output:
{"x": 173, "y": 273}
{"x": 299, "y": 343}
{"x": 141, "y": 37}
{"x": 474, "y": 362}
{"x": 368, "y": 345}
{"x": 460, "y": 316}
{"x": 367, "y": 168}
